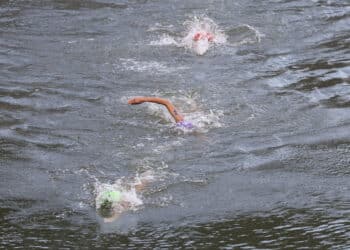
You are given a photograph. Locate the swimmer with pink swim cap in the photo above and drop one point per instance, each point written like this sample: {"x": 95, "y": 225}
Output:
{"x": 201, "y": 42}
{"x": 202, "y": 36}
{"x": 171, "y": 108}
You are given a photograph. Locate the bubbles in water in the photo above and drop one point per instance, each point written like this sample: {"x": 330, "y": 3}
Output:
{"x": 204, "y": 26}
{"x": 159, "y": 111}
{"x": 165, "y": 40}
{"x": 202, "y": 121}
{"x": 244, "y": 34}
{"x": 211, "y": 34}
{"x": 200, "y": 46}
{"x": 145, "y": 66}
{"x": 160, "y": 27}
{"x": 201, "y": 33}
{"x": 128, "y": 195}
{"x": 123, "y": 194}
{"x": 192, "y": 111}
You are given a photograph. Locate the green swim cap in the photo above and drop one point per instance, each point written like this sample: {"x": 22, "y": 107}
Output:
{"x": 109, "y": 197}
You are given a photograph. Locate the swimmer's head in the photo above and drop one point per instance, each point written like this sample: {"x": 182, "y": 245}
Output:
{"x": 203, "y": 36}
{"x": 184, "y": 124}
{"x": 197, "y": 36}
{"x": 109, "y": 198}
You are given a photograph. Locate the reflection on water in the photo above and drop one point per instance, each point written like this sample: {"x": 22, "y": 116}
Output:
{"x": 287, "y": 228}
{"x": 268, "y": 168}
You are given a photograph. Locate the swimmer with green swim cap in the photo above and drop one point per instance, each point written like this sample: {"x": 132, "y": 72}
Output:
{"x": 112, "y": 202}
{"x": 108, "y": 198}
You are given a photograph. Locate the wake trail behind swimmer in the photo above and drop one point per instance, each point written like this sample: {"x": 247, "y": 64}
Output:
{"x": 179, "y": 119}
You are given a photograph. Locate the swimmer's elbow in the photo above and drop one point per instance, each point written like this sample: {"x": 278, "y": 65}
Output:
{"x": 167, "y": 103}
{"x": 136, "y": 100}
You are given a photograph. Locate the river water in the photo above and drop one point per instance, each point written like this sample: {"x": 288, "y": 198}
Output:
{"x": 268, "y": 165}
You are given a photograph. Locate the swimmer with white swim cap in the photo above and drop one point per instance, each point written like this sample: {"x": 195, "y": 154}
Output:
{"x": 179, "y": 119}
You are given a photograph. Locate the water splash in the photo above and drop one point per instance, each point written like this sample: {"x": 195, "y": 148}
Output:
{"x": 193, "y": 112}
{"x": 243, "y": 34}
{"x": 196, "y": 25}
{"x": 129, "y": 192}
{"x": 160, "y": 27}
{"x": 129, "y": 64}
{"x": 203, "y": 121}
{"x": 165, "y": 40}
{"x": 202, "y": 25}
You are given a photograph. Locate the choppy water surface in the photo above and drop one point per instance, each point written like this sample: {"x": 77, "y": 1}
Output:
{"x": 268, "y": 165}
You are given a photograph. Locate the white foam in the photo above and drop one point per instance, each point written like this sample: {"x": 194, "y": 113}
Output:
{"x": 204, "y": 25}
{"x": 159, "y": 111}
{"x": 191, "y": 110}
{"x": 203, "y": 121}
{"x": 196, "y": 25}
{"x": 145, "y": 177}
{"x": 166, "y": 147}
{"x": 142, "y": 66}
{"x": 159, "y": 27}
{"x": 165, "y": 40}
{"x": 201, "y": 46}
{"x": 128, "y": 195}
{"x": 255, "y": 39}
{"x": 128, "y": 189}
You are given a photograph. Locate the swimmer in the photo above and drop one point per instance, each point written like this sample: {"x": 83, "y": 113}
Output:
{"x": 202, "y": 36}
{"x": 201, "y": 42}
{"x": 116, "y": 199}
{"x": 179, "y": 119}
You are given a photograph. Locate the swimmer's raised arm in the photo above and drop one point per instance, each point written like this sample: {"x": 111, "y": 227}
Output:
{"x": 171, "y": 108}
